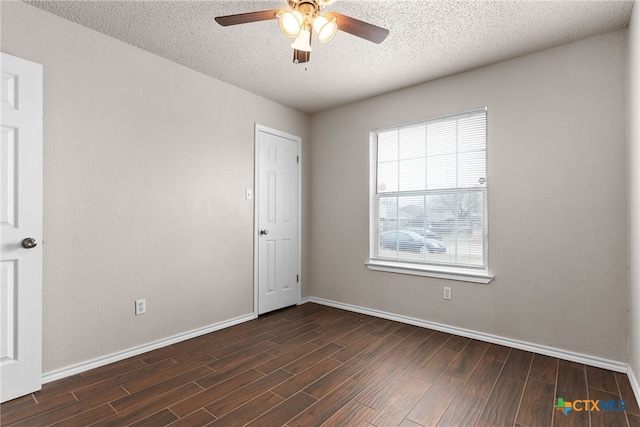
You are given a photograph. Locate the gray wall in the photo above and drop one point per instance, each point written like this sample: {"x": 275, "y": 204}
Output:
{"x": 145, "y": 167}
{"x": 557, "y": 200}
{"x": 633, "y": 124}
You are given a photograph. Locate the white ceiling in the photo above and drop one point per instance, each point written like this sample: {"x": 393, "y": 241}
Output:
{"x": 427, "y": 40}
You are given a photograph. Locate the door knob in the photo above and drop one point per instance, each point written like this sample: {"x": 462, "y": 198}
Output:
{"x": 264, "y": 232}
{"x": 29, "y": 243}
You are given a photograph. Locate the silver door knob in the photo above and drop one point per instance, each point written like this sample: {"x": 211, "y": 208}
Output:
{"x": 264, "y": 232}
{"x": 29, "y": 243}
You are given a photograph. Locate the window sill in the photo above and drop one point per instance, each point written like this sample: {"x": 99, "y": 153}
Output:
{"x": 430, "y": 271}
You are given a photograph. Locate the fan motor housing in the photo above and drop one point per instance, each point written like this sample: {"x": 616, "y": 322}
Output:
{"x": 306, "y": 7}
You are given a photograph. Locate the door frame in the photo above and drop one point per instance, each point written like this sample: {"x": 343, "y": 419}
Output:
{"x": 256, "y": 209}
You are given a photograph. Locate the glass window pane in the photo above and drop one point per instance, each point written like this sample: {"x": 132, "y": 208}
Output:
{"x": 471, "y": 169}
{"x": 388, "y": 213}
{"x": 412, "y": 175}
{"x": 412, "y": 209}
{"x": 441, "y": 138}
{"x": 441, "y": 172}
{"x": 388, "y": 146}
{"x": 387, "y": 177}
{"x": 472, "y": 133}
{"x": 412, "y": 142}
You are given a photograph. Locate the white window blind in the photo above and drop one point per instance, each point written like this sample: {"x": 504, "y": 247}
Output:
{"x": 429, "y": 192}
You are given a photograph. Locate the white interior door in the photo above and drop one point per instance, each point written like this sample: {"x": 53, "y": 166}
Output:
{"x": 277, "y": 219}
{"x": 20, "y": 228}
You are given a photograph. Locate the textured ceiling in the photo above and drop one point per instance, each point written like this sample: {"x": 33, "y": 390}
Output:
{"x": 427, "y": 40}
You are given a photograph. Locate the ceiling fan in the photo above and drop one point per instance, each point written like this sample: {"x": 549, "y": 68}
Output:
{"x": 305, "y": 16}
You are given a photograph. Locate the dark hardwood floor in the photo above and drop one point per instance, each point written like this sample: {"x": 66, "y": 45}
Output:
{"x": 314, "y": 365}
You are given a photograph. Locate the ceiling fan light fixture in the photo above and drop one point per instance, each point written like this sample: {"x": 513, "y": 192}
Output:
{"x": 290, "y": 23}
{"x": 325, "y": 28}
{"x": 303, "y": 18}
{"x": 303, "y": 41}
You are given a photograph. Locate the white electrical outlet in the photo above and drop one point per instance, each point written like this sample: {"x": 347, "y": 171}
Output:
{"x": 447, "y": 293}
{"x": 141, "y": 306}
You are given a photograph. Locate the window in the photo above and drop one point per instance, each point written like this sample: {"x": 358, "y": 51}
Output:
{"x": 429, "y": 198}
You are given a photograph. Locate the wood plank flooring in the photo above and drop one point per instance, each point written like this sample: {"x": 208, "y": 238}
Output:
{"x": 314, "y": 365}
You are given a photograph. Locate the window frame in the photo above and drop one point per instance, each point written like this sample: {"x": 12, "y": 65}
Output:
{"x": 378, "y": 263}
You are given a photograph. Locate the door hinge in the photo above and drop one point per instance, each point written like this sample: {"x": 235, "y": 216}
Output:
{"x": 297, "y": 159}
{"x": 297, "y": 278}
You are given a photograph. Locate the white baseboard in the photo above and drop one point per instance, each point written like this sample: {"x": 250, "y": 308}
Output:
{"x": 599, "y": 362}
{"x": 634, "y": 382}
{"x": 304, "y": 300}
{"x": 115, "y": 357}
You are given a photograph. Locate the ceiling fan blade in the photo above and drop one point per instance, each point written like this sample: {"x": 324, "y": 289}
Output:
{"x": 245, "y": 18}
{"x": 360, "y": 28}
{"x": 301, "y": 56}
